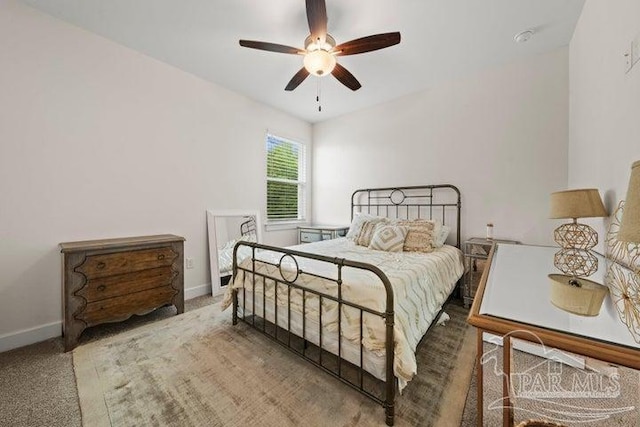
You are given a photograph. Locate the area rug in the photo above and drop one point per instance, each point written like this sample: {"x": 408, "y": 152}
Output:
{"x": 604, "y": 395}
{"x": 198, "y": 369}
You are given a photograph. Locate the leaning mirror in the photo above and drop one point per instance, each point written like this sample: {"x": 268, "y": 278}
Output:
{"x": 226, "y": 228}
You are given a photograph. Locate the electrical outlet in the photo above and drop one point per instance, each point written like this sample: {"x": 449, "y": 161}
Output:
{"x": 190, "y": 263}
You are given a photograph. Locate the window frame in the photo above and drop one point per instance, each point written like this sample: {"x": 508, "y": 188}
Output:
{"x": 302, "y": 183}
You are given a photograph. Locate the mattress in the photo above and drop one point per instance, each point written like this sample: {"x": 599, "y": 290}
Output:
{"x": 421, "y": 284}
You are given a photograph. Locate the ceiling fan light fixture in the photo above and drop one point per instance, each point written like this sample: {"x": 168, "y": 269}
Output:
{"x": 319, "y": 62}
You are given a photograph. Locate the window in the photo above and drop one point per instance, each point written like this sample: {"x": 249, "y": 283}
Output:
{"x": 285, "y": 180}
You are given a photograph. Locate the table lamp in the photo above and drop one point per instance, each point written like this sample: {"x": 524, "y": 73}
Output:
{"x": 629, "y": 232}
{"x": 574, "y": 238}
{"x": 574, "y": 259}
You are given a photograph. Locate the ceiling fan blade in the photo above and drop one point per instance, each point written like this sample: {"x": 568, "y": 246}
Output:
{"x": 317, "y": 18}
{"x": 297, "y": 79}
{"x": 271, "y": 47}
{"x": 367, "y": 44}
{"x": 345, "y": 77}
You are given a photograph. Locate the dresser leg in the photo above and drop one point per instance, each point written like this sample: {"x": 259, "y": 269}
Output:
{"x": 178, "y": 301}
{"x": 72, "y": 334}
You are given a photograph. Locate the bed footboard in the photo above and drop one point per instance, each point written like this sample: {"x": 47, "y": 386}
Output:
{"x": 280, "y": 277}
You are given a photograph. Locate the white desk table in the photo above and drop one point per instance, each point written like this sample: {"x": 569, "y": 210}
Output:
{"x": 513, "y": 302}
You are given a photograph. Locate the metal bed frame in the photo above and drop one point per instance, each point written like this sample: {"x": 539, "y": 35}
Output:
{"x": 248, "y": 226}
{"x": 416, "y": 202}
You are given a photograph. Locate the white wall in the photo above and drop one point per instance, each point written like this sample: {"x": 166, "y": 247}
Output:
{"x": 500, "y": 136}
{"x": 604, "y": 130}
{"x": 99, "y": 141}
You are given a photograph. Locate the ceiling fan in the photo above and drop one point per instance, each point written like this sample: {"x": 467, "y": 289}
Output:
{"x": 320, "y": 49}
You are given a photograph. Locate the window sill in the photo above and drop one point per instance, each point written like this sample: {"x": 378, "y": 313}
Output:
{"x": 286, "y": 225}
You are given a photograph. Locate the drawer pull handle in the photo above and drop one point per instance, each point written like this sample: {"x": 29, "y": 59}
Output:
{"x": 102, "y": 288}
{"x": 101, "y": 265}
{"x": 160, "y": 257}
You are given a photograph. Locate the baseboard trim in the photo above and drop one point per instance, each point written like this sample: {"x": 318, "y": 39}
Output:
{"x": 30, "y": 336}
{"x": 197, "y": 291}
{"x": 570, "y": 359}
{"x": 54, "y": 329}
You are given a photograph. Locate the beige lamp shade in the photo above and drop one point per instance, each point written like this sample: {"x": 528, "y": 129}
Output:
{"x": 630, "y": 226}
{"x": 577, "y": 296}
{"x": 582, "y": 203}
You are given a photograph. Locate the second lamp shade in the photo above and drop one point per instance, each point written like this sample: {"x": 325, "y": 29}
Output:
{"x": 582, "y": 203}
{"x": 630, "y": 227}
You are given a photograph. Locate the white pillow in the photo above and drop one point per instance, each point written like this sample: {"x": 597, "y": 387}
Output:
{"x": 440, "y": 235}
{"x": 358, "y": 220}
{"x": 389, "y": 238}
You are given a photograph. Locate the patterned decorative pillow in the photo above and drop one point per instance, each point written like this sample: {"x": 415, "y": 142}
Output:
{"x": 420, "y": 235}
{"x": 389, "y": 238}
{"x": 366, "y": 232}
{"x": 358, "y": 220}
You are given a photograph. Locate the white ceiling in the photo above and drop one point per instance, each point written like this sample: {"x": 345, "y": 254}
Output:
{"x": 441, "y": 39}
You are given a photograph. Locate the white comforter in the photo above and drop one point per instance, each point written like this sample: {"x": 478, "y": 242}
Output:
{"x": 421, "y": 284}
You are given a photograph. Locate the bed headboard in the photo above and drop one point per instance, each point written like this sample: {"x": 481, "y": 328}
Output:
{"x": 439, "y": 202}
{"x": 248, "y": 226}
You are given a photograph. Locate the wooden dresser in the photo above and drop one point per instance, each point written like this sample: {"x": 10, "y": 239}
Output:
{"x": 111, "y": 280}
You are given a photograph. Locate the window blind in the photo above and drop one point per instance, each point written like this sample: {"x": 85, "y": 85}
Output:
{"x": 285, "y": 179}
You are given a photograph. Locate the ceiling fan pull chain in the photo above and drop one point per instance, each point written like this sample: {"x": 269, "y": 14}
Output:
{"x": 318, "y": 95}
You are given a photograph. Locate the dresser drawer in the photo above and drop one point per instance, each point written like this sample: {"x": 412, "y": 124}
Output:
{"x": 107, "y": 287}
{"x": 317, "y": 233}
{"x": 314, "y": 236}
{"x": 122, "y": 307}
{"x": 105, "y": 265}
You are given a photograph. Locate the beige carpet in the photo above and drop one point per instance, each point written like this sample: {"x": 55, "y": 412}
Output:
{"x": 197, "y": 369}
{"x": 37, "y": 382}
{"x": 588, "y": 407}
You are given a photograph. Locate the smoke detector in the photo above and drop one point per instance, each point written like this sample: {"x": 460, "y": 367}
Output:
{"x": 523, "y": 36}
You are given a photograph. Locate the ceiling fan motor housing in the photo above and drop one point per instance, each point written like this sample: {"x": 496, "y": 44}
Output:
{"x": 310, "y": 44}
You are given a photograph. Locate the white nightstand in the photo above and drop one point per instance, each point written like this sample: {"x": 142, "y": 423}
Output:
{"x": 316, "y": 233}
